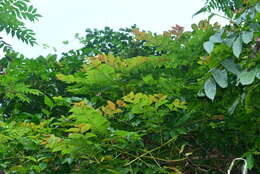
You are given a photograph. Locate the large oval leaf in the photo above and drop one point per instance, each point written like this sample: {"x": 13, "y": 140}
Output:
{"x": 231, "y": 66}
{"x": 208, "y": 46}
{"x": 247, "y": 77}
{"x": 237, "y": 47}
{"x": 210, "y": 88}
{"x": 221, "y": 77}
{"x": 247, "y": 36}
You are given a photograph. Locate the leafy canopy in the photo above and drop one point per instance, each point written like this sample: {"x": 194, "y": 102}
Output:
{"x": 181, "y": 102}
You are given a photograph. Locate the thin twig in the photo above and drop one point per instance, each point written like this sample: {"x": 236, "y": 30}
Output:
{"x": 224, "y": 17}
{"x": 165, "y": 160}
{"x": 150, "y": 151}
{"x": 197, "y": 166}
{"x": 151, "y": 156}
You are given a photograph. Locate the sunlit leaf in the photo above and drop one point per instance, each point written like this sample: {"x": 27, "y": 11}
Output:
{"x": 48, "y": 101}
{"x": 208, "y": 46}
{"x": 231, "y": 66}
{"x": 247, "y": 36}
{"x": 216, "y": 38}
{"x": 221, "y": 77}
{"x": 237, "y": 47}
{"x": 247, "y": 77}
{"x": 210, "y": 88}
{"x": 232, "y": 109}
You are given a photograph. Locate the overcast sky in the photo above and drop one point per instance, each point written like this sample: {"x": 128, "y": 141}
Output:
{"x": 63, "y": 18}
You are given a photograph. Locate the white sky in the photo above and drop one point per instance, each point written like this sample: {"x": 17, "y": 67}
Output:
{"x": 63, "y": 18}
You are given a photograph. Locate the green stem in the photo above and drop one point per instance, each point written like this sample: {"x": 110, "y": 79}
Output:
{"x": 150, "y": 151}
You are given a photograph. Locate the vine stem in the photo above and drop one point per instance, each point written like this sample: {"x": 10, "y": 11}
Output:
{"x": 150, "y": 151}
{"x": 165, "y": 160}
{"x": 224, "y": 17}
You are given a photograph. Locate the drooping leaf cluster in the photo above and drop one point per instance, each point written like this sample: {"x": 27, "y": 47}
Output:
{"x": 12, "y": 16}
{"x": 226, "y": 6}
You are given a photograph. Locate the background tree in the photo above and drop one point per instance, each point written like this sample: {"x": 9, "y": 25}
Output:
{"x": 120, "y": 43}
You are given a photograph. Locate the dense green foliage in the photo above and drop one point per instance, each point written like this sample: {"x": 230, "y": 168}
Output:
{"x": 119, "y": 43}
{"x": 133, "y": 102}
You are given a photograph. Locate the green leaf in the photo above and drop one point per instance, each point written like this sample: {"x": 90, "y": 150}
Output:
{"x": 258, "y": 75}
{"x": 66, "y": 42}
{"x": 257, "y": 7}
{"x": 182, "y": 120}
{"x": 48, "y": 101}
{"x": 237, "y": 46}
{"x": 90, "y": 116}
{"x": 208, "y": 46}
{"x": 42, "y": 165}
{"x": 250, "y": 161}
{"x": 232, "y": 109}
{"x": 216, "y": 38}
{"x": 221, "y": 77}
{"x": 148, "y": 79}
{"x": 229, "y": 41}
{"x": 247, "y": 77}
{"x": 247, "y": 36}
{"x": 257, "y": 71}
{"x": 231, "y": 66}
{"x": 201, "y": 93}
{"x": 45, "y": 111}
{"x": 30, "y": 9}
{"x": 210, "y": 88}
